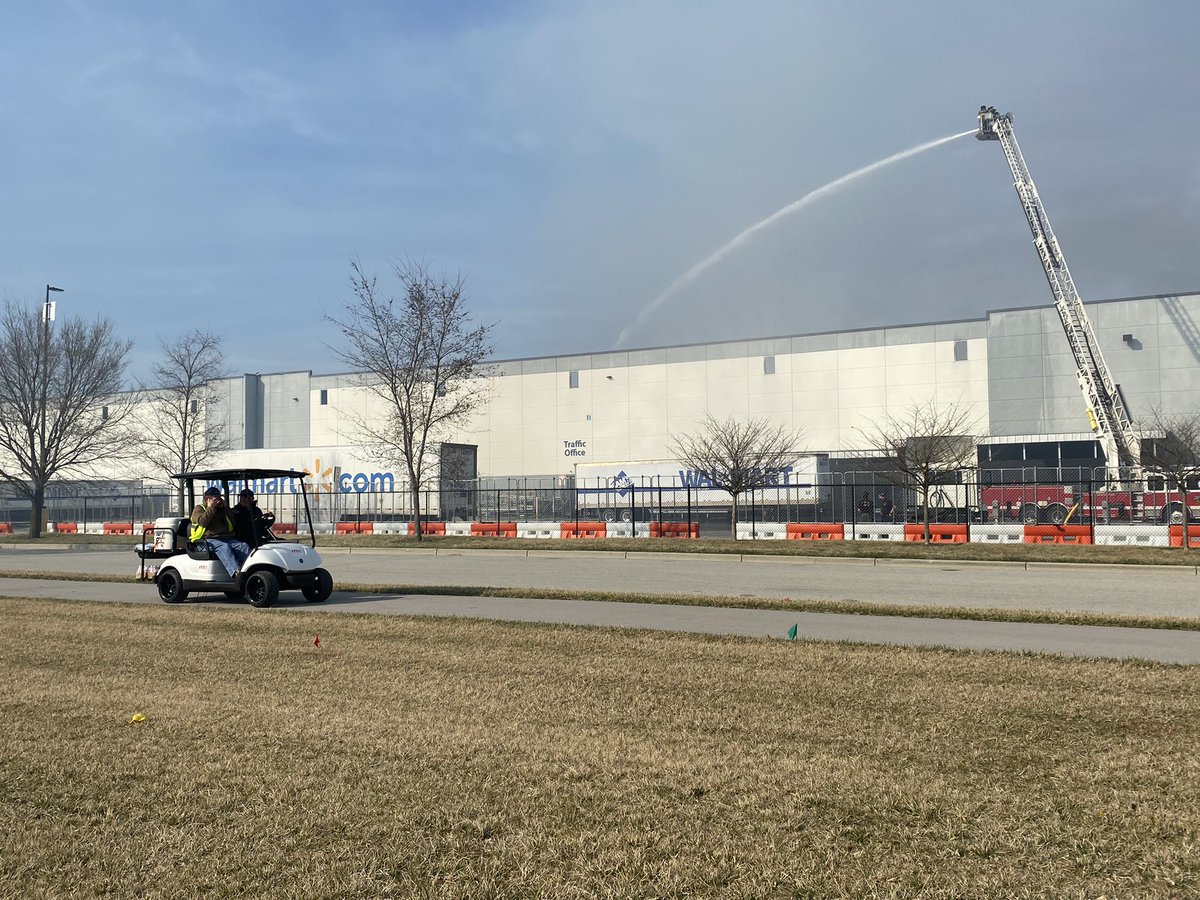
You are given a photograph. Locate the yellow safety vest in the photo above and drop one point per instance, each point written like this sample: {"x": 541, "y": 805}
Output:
{"x": 198, "y": 531}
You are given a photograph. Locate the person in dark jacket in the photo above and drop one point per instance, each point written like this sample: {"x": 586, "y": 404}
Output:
{"x": 247, "y": 519}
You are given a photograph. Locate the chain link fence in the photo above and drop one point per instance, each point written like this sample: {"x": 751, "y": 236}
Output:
{"x": 1016, "y": 496}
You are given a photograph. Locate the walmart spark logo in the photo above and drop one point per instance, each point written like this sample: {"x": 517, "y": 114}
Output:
{"x": 323, "y": 477}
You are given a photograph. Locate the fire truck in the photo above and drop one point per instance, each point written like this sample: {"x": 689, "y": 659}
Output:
{"x": 1087, "y": 501}
{"x": 1125, "y": 496}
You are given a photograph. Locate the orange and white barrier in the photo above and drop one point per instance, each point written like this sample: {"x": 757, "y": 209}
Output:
{"x": 494, "y": 529}
{"x": 1058, "y": 534}
{"x": 591, "y": 530}
{"x": 539, "y": 530}
{"x": 939, "y": 533}
{"x": 998, "y": 533}
{"x": 762, "y": 531}
{"x": 391, "y": 528}
{"x": 1137, "y": 536}
{"x": 876, "y": 531}
{"x": 816, "y": 531}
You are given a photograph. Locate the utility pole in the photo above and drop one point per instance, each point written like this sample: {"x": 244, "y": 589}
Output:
{"x": 43, "y": 399}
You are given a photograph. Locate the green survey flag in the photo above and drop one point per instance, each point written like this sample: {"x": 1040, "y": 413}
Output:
{"x": 792, "y": 631}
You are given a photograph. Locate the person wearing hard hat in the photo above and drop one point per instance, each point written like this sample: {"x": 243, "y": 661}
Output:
{"x": 212, "y": 529}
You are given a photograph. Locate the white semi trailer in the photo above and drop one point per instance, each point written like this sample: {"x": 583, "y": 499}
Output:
{"x": 642, "y": 490}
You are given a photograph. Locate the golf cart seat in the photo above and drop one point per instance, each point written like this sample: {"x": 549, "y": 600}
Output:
{"x": 196, "y": 552}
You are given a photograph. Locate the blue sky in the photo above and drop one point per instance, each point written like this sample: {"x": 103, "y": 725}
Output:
{"x": 218, "y": 164}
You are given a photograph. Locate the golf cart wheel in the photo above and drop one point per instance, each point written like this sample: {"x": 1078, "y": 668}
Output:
{"x": 170, "y": 587}
{"x": 262, "y": 589}
{"x": 321, "y": 589}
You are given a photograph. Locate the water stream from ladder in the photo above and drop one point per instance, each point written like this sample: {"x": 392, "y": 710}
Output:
{"x": 708, "y": 262}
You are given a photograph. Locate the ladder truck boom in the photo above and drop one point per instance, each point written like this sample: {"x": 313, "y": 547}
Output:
{"x": 1107, "y": 412}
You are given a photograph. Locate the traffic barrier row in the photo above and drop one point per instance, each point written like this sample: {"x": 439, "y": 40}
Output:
{"x": 1113, "y": 535}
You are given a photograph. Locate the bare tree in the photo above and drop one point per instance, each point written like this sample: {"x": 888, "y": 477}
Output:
{"x": 421, "y": 356}
{"x": 61, "y": 406}
{"x": 1174, "y": 453}
{"x": 921, "y": 448}
{"x": 183, "y": 430}
{"x": 738, "y": 456}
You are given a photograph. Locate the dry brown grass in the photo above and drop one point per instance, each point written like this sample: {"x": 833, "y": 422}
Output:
{"x": 408, "y": 757}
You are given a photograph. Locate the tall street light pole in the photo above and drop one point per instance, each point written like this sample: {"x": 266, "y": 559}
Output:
{"x": 47, "y": 315}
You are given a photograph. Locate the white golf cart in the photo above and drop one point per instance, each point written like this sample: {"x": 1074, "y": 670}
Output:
{"x": 273, "y": 565}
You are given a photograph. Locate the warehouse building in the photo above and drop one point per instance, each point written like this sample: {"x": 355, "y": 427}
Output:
{"x": 1012, "y": 368}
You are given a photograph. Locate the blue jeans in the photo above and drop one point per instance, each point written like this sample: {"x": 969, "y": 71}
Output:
{"x": 232, "y": 553}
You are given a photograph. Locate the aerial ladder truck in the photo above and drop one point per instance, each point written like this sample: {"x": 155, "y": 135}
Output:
{"x": 1107, "y": 413}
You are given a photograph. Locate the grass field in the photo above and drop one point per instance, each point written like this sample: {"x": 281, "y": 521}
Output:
{"x": 408, "y": 757}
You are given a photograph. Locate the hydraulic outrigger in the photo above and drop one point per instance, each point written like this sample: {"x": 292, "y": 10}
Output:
{"x": 1107, "y": 412}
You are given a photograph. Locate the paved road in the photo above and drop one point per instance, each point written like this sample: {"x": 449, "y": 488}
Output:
{"x": 848, "y": 580}
{"x": 1128, "y": 590}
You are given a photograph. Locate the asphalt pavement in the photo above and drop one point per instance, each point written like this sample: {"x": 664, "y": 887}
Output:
{"x": 1150, "y": 591}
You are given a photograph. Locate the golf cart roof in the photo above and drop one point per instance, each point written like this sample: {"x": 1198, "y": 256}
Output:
{"x": 242, "y": 474}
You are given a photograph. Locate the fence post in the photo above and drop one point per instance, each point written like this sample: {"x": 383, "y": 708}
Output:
{"x": 1091, "y": 496}
{"x": 853, "y": 508}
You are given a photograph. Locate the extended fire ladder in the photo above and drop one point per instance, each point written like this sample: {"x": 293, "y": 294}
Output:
{"x": 1107, "y": 413}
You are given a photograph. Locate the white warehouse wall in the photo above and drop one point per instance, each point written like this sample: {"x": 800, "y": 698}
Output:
{"x": 1017, "y": 377}
{"x": 630, "y": 405}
